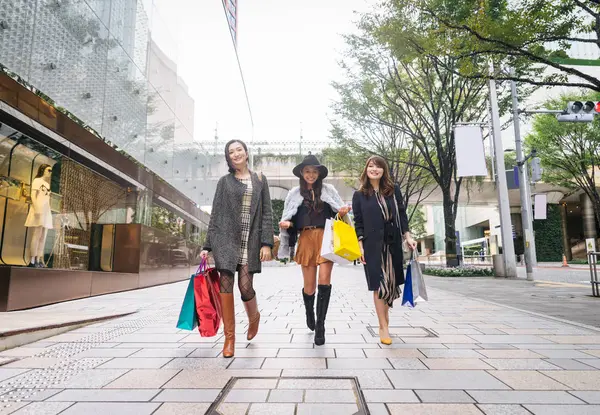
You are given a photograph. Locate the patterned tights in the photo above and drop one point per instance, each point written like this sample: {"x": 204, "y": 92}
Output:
{"x": 245, "y": 282}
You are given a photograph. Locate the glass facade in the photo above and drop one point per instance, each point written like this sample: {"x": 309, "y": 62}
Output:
{"x": 113, "y": 65}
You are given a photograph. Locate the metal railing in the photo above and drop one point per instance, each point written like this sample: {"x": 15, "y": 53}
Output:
{"x": 593, "y": 261}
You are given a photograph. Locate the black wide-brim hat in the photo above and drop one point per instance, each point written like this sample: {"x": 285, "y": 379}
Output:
{"x": 310, "y": 160}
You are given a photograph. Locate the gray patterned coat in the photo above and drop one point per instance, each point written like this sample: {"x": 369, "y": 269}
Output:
{"x": 224, "y": 230}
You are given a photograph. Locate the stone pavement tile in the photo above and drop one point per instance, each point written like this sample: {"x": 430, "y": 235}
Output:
{"x": 170, "y": 408}
{"x": 520, "y": 364}
{"x": 413, "y": 364}
{"x": 256, "y": 345}
{"x": 104, "y": 408}
{"x": 161, "y": 330}
{"x": 524, "y": 397}
{"x": 196, "y": 378}
{"x": 456, "y": 364}
{"x": 247, "y": 352}
{"x": 286, "y": 396}
{"x": 179, "y": 352}
{"x": 503, "y": 410}
{"x": 563, "y": 409}
{"x": 136, "y": 363}
{"x": 44, "y": 408}
{"x": 246, "y": 395}
{"x": 294, "y": 363}
{"x": 260, "y": 383}
{"x": 553, "y": 346}
{"x": 509, "y": 354}
{"x": 450, "y": 353}
{"x": 458, "y": 338}
{"x": 593, "y": 353}
{"x": 570, "y": 364}
{"x": 527, "y": 380}
{"x": 358, "y": 364}
{"x": 390, "y": 396}
{"x": 92, "y": 379}
{"x": 378, "y": 409}
{"x": 527, "y": 331}
{"x": 40, "y": 395}
{"x": 348, "y": 353}
{"x": 574, "y": 339}
{"x": 317, "y": 352}
{"x": 22, "y": 352}
{"x": 372, "y": 379}
{"x": 233, "y": 408}
{"x": 330, "y": 396}
{"x": 592, "y": 397}
{"x": 98, "y": 352}
{"x": 105, "y": 395}
{"x": 272, "y": 338}
{"x": 444, "y": 396}
{"x": 66, "y": 338}
{"x": 143, "y": 379}
{"x": 34, "y": 363}
{"x": 11, "y": 373}
{"x": 197, "y": 363}
{"x": 398, "y": 345}
{"x": 595, "y": 363}
{"x": 326, "y": 409}
{"x": 272, "y": 409}
{"x": 563, "y": 354}
{"x": 400, "y": 353}
{"x": 433, "y": 409}
{"x": 510, "y": 339}
{"x": 578, "y": 380}
{"x": 315, "y": 383}
{"x": 149, "y": 338}
{"x": 151, "y": 345}
{"x": 187, "y": 395}
{"x": 344, "y": 339}
{"x": 498, "y": 346}
{"x": 246, "y": 363}
{"x": 443, "y": 379}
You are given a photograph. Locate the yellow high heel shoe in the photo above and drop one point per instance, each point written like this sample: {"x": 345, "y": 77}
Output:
{"x": 384, "y": 340}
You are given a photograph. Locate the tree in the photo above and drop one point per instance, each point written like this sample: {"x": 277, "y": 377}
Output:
{"x": 535, "y": 37}
{"x": 277, "y": 213}
{"x": 569, "y": 152}
{"x": 394, "y": 85}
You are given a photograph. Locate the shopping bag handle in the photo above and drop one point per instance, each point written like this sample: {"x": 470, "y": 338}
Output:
{"x": 202, "y": 266}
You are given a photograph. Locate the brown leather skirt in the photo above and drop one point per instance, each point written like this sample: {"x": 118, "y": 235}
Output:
{"x": 308, "y": 251}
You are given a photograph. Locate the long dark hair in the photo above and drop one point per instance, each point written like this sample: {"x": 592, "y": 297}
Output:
{"x": 228, "y": 159}
{"x": 41, "y": 170}
{"x": 317, "y": 187}
{"x": 386, "y": 184}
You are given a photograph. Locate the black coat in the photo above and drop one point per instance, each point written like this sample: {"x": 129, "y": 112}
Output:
{"x": 369, "y": 224}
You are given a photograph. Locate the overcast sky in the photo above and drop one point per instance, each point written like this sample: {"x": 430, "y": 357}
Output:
{"x": 289, "y": 52}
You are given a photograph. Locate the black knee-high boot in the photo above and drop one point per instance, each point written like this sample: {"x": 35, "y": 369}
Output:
{"x": 323, "y": 297}
{"x": 309, "y": 305}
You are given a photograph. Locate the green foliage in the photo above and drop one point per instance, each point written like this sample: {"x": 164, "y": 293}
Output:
{"x": 460, "y": 272}
{"x": 527, "y": 35}
{"x": 548, "y": 236}
{"x": 167, "y": 221}
{"x": 277, "y": 212}
{"x": 417, "y": 221}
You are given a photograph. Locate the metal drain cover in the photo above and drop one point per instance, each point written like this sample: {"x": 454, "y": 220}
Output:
{"x": 404, "y": 331}
{"x": 240, "y": 394}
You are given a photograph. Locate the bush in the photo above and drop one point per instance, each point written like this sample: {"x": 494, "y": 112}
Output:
{"x": 460, "y": 272}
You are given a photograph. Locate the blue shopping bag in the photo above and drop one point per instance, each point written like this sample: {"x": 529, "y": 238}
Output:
{"x": 408, "y": 299}
{"x": 188, "y": 319}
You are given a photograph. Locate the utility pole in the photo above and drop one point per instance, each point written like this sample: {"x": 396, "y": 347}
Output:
{"x": 523, "y": 182}
{"x": 508, "y": 248}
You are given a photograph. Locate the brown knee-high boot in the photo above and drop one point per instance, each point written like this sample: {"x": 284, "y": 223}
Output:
{"x": 253, "y": 317}
{"x": 228, "y": 308}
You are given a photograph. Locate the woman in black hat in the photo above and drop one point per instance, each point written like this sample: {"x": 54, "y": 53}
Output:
{"x": 305, "y": 211}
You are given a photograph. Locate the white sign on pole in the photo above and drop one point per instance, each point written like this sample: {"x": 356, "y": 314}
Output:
{"x": 470, "y": 154}
{"x": 540, "y": 203}
{"x": 590, "y": 245}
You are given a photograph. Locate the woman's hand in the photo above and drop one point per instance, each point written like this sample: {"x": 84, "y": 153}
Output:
{"x": 204, "y": 254}
{"x": 265, "y": 254}
{"x": 362, "y": 253}
{"x": 285, "y": 224}
{"x": 344, "y": 211}
{"x": 412, "y": 244}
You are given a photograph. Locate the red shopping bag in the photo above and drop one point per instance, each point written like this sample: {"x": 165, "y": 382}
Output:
{"x": 208, "y": 300}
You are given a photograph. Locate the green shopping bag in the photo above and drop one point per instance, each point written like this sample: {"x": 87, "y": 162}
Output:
{"x": 188, "y": 320}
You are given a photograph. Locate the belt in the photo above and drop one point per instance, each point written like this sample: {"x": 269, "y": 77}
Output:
{"x": 308, "y": 228}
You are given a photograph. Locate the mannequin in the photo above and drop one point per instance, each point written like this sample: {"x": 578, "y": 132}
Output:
{"x": 39, "y": 217}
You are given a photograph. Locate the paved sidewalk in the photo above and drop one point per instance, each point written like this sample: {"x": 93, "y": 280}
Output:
{"x": 453, "y": 355}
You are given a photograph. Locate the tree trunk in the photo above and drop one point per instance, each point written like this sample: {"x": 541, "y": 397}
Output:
{"x": 450, "y": 230}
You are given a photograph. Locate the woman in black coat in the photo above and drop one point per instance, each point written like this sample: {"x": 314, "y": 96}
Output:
{"x": 380, "y": 220}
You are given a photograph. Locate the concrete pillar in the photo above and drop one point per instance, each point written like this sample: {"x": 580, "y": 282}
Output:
{"x": 588, "y": 217}
{"x": 565, "y": 233}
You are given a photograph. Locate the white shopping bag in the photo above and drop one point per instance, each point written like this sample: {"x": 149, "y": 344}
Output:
{"x": 327, "y": 245}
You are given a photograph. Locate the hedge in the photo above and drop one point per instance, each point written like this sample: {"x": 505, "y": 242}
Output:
{"x": 465, "y": 271}
{"x": 548, "y": 236}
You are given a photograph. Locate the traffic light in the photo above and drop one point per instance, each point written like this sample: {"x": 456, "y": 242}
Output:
{"x": 579, "y": 111}
{"x": 536, "y": 169}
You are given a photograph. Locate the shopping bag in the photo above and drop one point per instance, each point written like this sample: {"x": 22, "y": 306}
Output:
{"x": 327, "y": 248}
{"x": 345, "y": 241}
{"x": 187, "y": 316}
{"x": 208, "y": 300}
{"x": 408, "y": 300}
{"x": 414, "y": 286}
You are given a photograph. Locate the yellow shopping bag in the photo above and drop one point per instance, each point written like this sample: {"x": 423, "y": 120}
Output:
{"x": 345, "y": 241}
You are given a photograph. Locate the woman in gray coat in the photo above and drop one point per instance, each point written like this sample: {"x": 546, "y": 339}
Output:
{"x": 240, "y": 236}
